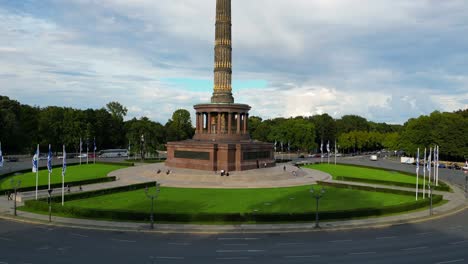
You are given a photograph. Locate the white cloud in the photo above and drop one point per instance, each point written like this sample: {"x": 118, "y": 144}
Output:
{"x": 385, "y": 60}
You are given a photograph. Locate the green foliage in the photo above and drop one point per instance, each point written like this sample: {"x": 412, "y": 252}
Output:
{"x": 154, "y": 135}
{"x": 448, "y": 130}
{"x": 224, "y": 205}
{"x": 180, "y": 126}
{"x": 74, "y": 173}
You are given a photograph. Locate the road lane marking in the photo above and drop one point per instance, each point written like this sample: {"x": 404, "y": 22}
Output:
{"x": 235, "y": 245}
{"x": 5, "y": 239}
{"x": 424, "y": 234}
{"x": 170, "y": 258}
{"x": 179, "y": 244}
{"x": 451, "y": 261}
{"x": 455, "y": 227}
{"x": 233, "y": 258}
{"x": 43, "y": 248}
{"x": 363, "y": 253}
{"x": 78, "y": 235}
{"x": 238, "y": 238}
{"x": 387, "y": 237}
{"x": 123, "y": 240}
{"x": 239, "y": 250}
{"x": 1, "y": 262}
{"x": 414, "y": 248}
{"x": 340, "y": 241}
{"x": 458, "y": 242}
{"x": 309, "y": 256}
{"x": 289, "y": 244}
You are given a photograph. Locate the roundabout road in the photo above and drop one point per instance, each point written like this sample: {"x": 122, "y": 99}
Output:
{"x": 443, "y": 240}
{"x": 438, "y": 241}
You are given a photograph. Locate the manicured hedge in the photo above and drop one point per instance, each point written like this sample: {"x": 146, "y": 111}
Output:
{"x": 442, "y": 186}
{"x": 127, "y": 215}
{"x": 6, "y": 175}
{"x": 88, "y": 194}
{"x": 59, "y": 185}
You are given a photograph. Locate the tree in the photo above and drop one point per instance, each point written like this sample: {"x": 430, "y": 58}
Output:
{"x": 116, "y": 110}
{"x": 254, "y": 123}
{"x": 350, "y": 123}
{"x": 180, "y": 126}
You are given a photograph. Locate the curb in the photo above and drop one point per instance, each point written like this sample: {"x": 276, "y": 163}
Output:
{"x": 217, "y": 229}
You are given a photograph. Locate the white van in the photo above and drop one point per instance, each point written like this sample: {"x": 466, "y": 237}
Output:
{"x": 373, "y": 157}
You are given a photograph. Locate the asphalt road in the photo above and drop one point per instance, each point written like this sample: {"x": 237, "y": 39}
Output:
{"x": 438, "y": 241}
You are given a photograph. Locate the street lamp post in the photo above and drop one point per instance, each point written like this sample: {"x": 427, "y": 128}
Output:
{"x": 317, "y": 195}
{"x": 15, "y": 184}
{"x": 142, "y": 142}
{"x": 49, "y": 201}
{"x": 466, "y": 185}
{"x": 152, "y": 197}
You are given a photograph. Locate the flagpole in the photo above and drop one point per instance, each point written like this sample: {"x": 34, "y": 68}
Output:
{"x": 63, "y": 175}
{"x": 87, "y": 151}
{"x": 94, "y": 151}
{"x": 335, "y": 152}
{"x": 429, "y": 165}
{"x": 81, "y": 143}
{"x": 321, "y": 152}
{"x": 424, "y": 177}
{"x": 37, "y": 170}
{"x": 328, "y": 152}
{"x": 417, "y": 175}
{"x": 48, "y": 166}
{"x": 437, "y": 167}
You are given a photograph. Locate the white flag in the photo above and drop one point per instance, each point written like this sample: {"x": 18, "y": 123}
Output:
{"x": 35, "y": 161}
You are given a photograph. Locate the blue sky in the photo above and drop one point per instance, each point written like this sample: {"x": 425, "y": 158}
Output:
{"x": 385, "y": 60}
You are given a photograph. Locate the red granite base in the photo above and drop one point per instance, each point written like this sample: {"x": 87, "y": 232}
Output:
{"x": 219, "y": 155}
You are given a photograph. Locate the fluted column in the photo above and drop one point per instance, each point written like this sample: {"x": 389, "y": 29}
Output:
{"x": 208, "y": 123}
{"x": 229, "y": 123}
{"x": 238, "y": 123}
{"x": 223, "y": 54}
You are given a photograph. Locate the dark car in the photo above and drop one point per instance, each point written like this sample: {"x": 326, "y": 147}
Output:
{"x": 442, "y": 166}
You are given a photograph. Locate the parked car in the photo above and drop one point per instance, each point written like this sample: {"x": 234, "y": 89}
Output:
{"x": 442, "y": 166}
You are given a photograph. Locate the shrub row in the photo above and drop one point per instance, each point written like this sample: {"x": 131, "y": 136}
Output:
{"x": 231, "y": 217}
{"x": 89, "y": 194}
{"x": 58, "y": 185}
{"x": 441, "y": 187}
{"x": 127, "y": 215}
{"x": 44, "y": 167}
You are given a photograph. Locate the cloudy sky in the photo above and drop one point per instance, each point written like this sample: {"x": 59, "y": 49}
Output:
{"x": 386, "y": 60}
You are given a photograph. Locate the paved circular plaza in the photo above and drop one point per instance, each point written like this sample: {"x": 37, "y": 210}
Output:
{"x": 279, "y": 176}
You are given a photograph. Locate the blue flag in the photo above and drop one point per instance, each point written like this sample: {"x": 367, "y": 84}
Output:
{"x": 1, "y": 156}
{"x": 95, "y": 148}
{"x": 64, "y": 166}
{"x": 49, "y": 160}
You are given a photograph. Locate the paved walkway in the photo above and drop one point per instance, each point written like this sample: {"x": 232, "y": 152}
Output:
{"x": 273, "y": 177}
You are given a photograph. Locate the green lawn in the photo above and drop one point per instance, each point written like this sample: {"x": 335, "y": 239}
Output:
{"x": 73, "y": 173}
{"x": 338, "y": 171}
{"x": 293, "y": 199}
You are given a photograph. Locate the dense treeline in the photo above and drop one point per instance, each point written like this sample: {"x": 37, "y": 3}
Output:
{"x": 356, "y": 134}
{"x": 23, "y": 126}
